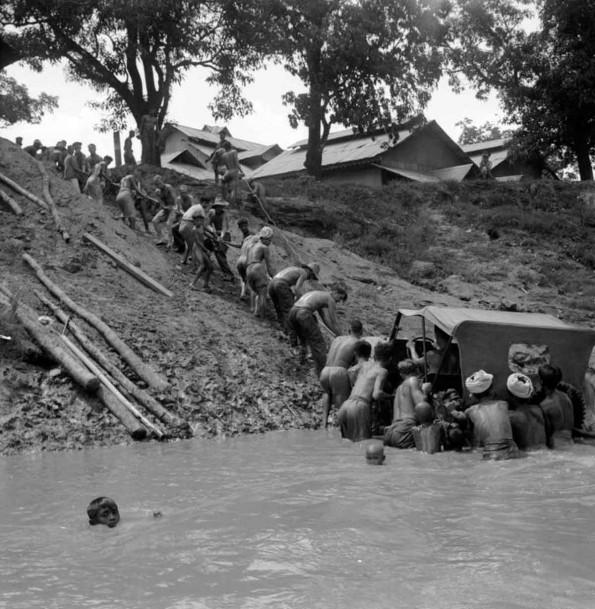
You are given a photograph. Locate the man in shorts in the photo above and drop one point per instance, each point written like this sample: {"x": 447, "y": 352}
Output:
{"x": 302, "y": 321}
{"x": 258, "y": 270}
{"x": 334, "y": 377}
{"x": 167, "y": 213}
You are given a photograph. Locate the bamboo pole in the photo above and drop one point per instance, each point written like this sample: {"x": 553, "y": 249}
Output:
{"x": 48, "y": 199}
{"x": 75, "y": 369}
{"x": 141, "y": 368}
{"x": 130, "y": 422}
{"x": 129, "y": 268}
{"x": 107, "y": 383}
{"x": 23, "y": 192}
{"x": 149, "y": 402}
{"x": 6, "y": 198}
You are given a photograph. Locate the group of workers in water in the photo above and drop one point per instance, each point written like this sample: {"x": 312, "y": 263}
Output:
{"x": 359, "y": 386}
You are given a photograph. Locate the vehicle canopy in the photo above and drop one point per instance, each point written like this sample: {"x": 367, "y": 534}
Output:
{"x": 503, "y": 342}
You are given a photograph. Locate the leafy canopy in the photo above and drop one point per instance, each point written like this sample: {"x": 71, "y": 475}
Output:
{"x": 17, "y": 105}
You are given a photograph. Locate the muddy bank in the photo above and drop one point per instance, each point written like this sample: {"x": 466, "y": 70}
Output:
{"x": 227, "y": 372}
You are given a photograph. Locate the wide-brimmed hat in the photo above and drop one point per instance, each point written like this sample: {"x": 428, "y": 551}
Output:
{"x": 479, "y": 381}
{"x": 315, "y": 268}
{"x": 219, "y": 202}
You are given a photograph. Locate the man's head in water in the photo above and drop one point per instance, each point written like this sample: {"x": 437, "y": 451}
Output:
{"x": 103, "y": 510}
{"x": 375, "y": 453}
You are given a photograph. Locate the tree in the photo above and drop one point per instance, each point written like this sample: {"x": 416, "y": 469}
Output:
{"x": 473, "y": 134}
{"x": 545, "y": 78}
{"x": 17, "y": 105}
{"x": 364, "y": 63}
{"x": 133, "y": 51}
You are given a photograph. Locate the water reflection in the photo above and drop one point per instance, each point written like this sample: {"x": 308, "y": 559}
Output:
{"x": 296, "y": 520}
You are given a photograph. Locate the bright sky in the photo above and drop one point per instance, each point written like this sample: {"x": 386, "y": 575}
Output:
{"x": 74, "y": 120}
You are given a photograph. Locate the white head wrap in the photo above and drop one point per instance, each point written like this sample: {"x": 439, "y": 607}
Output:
{"x": 519, "y": 385}
{"x": 479, "y": 381}
{"x": 266, "y": 232}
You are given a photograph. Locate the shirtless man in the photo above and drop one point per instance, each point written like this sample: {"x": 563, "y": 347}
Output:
{"x": 362, "y": 351}
{"x": 355, "y": 414}
{"x": 285, "y": 286}
{"x": 528, "y": 420}
{"x": 167, "y": 212}
{"x": 231, "y": 178}
{"x": 557, "y": 407}
{"x": 400, "y": 433}
{"x": 93, "y": 158}
{"x": 248, "y": 240}
{"x": 128, "y": 152}
{"x": 258, "y": 270}
{"x": 491, "y": 424}
{"x": 302, "y": 321}
{"x": 334, "y": 377}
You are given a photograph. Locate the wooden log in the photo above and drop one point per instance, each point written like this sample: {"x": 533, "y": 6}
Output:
{"x": 146, "y": 400}
{"x": 23, "y": 192}
{"x": 107, "y": 383}
{"x": 130, "y": 422}
{"x": 48, "y": 199}
{"x": 129, "y": 268}
{"x": 141, "y": 368}
{"x": 14, "y": 206}
{"x": 51, "y": 344}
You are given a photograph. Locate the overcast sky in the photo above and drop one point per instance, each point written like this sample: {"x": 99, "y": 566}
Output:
{"x": 74, "y": 120}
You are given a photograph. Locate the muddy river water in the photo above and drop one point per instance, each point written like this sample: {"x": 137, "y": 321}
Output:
{"x": 297, "y": 520}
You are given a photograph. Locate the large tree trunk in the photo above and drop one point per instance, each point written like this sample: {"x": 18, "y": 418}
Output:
{"x": 581, "y": 148}
{"x": 313, "y": 162}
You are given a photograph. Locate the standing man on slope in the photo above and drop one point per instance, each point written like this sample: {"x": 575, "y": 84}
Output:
{"x": 334, "y": 377}
{"x": 302, "y": 321}
{"x": 258, "y": 270}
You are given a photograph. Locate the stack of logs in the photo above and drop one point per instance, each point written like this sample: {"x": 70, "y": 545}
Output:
{"x": 91, "y": 368}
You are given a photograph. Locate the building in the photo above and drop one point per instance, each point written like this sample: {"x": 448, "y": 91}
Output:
{"x": 187, "y": 150}
{"x": 421, "y": 154}
{"x": 504, "y": 168}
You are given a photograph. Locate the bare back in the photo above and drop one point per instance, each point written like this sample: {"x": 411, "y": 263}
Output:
{"x": 370, "y": 382}
{"x": 291, "y": 274}
{"x": 408, "y": 394}
{"x": 341, "y": 351}
{"x": 322, "y": 303}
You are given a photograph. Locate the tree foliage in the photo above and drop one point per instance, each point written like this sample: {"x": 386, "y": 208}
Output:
{"x": 474, "y": 134}
{"x": 17, "y": 105}
{"x": 364, "y": 63}
{"x": 134, "y": 51}
{"x": 545, "y": 78}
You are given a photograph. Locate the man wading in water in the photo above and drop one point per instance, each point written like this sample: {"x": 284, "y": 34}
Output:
{"x": 334, "y": 377}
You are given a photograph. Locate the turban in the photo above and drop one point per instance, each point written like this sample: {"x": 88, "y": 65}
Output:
{"x": 479, "y": 381}
{"x": 266, "y": 232}
{"x": 519, "y": 385}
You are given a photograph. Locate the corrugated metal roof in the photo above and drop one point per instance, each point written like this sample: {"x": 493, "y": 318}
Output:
{"x": 342, "y": 152}
{"x": 457, "y": 173}
{"x": 261, "y": 150}
{"x": 496, "y": 157}
{"x": 488, "y": 145}
{"x": 213, "y": 138}
{"x": 416, "y": 176}
{"x": 448, "y": 318}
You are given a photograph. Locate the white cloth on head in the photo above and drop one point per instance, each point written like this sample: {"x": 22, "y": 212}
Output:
{"x": 266, "y": 232}
{"x": 479, "y": 381}
{"x": 519, "y": 385}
